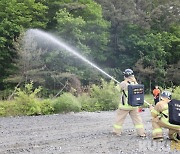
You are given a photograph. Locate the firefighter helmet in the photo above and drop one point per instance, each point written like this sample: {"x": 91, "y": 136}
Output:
{"x": 128, "y": 72}
{"x": 166, "y": 94}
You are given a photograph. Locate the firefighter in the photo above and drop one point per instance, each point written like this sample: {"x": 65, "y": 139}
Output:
{"x": 156, "y": 94}
{"x": 124, "y": 108}
{"x": 160, "y": 119}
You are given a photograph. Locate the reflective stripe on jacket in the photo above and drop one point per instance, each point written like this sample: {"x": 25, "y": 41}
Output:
{"x": 161, "y": 107}
{"x": 161, "y": 111}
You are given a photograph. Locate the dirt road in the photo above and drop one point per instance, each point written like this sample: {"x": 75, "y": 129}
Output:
{"x": 75, "y": 133}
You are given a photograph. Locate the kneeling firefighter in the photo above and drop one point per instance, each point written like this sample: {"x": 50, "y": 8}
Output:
{"x": 161, "y": 119}
{"x": 125, "y": 109}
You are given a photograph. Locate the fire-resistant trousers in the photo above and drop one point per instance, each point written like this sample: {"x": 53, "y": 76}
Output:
{"x": 135, "y": 116}
{"x": 159, "y": 123}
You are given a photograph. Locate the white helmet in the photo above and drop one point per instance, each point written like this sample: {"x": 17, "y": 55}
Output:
{"x": 166, "y": 94}
{"x": 128, "y": 72}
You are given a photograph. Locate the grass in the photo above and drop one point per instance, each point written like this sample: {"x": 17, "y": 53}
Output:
{"x": 149, "y": 98}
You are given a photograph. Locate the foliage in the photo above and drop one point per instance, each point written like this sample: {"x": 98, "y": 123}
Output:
{"x": 106, "y": 96}
{"x": 173, "y": 74}
{"x": 8, "y": 108}
{"x": 88, "y": 103}
{"x": 26, "y": 100}
{"x": 66, "y": 103}
{"x": 116, "y": 34}
{"x": 82, "y": 25}
{"x": 176, "y": 93}
{"x": 147, "y": 31}
{"x": 46, "y": 106}
{"x": 102, "y": 97}
{"x": 14, "y": 108}
{"x": 15, "y": 16}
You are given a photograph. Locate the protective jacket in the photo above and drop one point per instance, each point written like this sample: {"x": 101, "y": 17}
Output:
{"x": 125, "y": 109}
{"x": 161, "y": 111}
{"x": 124, "y": 93}
{"x": 161, "y": 120}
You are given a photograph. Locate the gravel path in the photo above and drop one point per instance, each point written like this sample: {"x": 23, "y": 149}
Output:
{"x": 75, "y": 133}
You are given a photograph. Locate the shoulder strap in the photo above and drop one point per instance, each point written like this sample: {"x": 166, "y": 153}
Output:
{"x": 123, "y": 103}
{"x": 166, "y": 116}
{"x": 124, "y": 93}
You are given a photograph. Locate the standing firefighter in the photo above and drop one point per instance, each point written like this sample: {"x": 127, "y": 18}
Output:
{"x": 156, "y": 93}
{"x": 125, "y": 109}
{"x": 161, "y": 120}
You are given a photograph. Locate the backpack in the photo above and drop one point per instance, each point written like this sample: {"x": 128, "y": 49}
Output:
{"x": 136, "y": 95}
{"x": 174, "y": 112}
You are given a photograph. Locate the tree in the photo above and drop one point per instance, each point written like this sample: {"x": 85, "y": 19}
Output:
{"x": 15, "y": 16}
{"x": 87, "y": 30}
{"x": 173, "y": 74}
{"x": 115, "y": 34}
{"x": 144, "y": 34}
{"x": 81, "y": 25}
{"x": 164, "y": 15}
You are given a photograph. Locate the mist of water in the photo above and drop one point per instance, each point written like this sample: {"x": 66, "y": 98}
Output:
{"x": 52, "y": 39}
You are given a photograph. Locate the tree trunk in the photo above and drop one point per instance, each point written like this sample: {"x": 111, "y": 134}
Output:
{"x": 150, "y": 85}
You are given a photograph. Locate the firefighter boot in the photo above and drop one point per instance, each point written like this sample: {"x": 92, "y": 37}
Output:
{"x": 176, "y": 137}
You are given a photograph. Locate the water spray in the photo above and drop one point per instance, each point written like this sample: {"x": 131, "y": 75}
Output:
{"x": 67, "y": 48}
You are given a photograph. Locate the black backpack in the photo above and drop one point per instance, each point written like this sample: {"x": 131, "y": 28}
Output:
{"x": 136, "y": 95}
{"x": 174, "y": 112}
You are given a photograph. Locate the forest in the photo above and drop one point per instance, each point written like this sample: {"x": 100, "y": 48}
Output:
{"x": 52, "y": 101}
{"x": 114, "y": 34}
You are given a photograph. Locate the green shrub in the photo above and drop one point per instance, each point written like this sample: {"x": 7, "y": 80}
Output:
{"x": 176, "y": 93}
{"x": 2, "y": 109}
{"x": 26, "y": 100}
{"x": 106, "y": 96}
{"x": 46, "y": 106}
{"x": 28, "y": 107}
{"x": 88, "y": 103}
{"x": 66, "y": 103}
{"x": 8, "y": 108}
